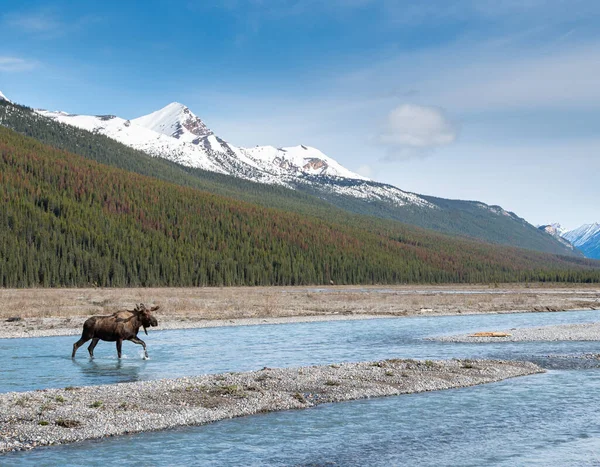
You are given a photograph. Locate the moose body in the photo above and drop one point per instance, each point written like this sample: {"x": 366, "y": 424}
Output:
{"x": 118, "y": 327}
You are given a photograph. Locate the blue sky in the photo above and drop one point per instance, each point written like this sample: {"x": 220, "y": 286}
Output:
{"x": 497, "y": 101}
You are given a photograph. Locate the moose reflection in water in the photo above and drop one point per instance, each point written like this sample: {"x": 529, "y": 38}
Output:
{"x": 120, "y": 326}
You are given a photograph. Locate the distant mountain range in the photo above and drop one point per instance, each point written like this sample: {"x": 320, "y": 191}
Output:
{"x": 585, "y": 238}
{"x": 174, "y": 133}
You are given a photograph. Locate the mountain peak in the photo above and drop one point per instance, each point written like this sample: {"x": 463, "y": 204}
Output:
{"x": 3, "y": 97}
{"x": 554, "y": 229}
{"x": 175, "y": 120}
{"x": 587, "y": 239}
{"x": 583, "y": 234}
{"x": 176, "y": 106}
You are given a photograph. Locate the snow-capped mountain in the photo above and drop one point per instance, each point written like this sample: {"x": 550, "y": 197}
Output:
{"x": 557, "y": 232}
{"x": 583, "y": 234}
{"x": 176, "y": 133}
{"x": 175, "y": 120}
{"x": 141, "y": 138}
{"x": 3, "y": 97}
{"x": 586, "y": 238}
{"x": 554, "y": 229}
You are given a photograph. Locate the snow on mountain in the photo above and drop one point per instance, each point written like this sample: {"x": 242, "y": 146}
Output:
{"x": 301, "y": 158}
{"x": 585, "y": 238}
{"x": 175, "y": 133}
{"x": 175, "y": 120}
{"x": 557, "y": 232}
{"x": 555, "y": 229}
{"x": 154, "y": 143}
{"x": 583, "y": 234}
{"x": 3, "y": 97}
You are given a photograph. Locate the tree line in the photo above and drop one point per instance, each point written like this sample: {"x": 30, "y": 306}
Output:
{"x": 69, "y": 221}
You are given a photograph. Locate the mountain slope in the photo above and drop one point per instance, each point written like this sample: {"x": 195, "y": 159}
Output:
{"x": 69, "y": 221}
{"x": 586, "y": 238}
{"x": 556, "y": 231}
{"x": 105, "y": 150}
{"x": 302, "y": 169}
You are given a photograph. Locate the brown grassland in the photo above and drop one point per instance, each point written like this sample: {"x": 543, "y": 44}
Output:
{"x": 37, "y": 309}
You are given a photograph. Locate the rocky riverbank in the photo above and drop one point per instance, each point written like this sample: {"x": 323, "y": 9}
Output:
{"x": 58, "y": 416}
{"x": 560, "y": 332}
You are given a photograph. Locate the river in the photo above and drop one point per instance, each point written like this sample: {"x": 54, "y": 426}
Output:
{"x": 551, "y": 418}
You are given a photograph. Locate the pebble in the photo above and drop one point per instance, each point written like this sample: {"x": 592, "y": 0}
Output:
{"x": 33, "y": 419}
{"x": 559, "y": 332}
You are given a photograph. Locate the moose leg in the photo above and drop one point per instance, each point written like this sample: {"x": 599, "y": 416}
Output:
{"x": 119, "y": 346}
{"x": 93, "y": 346}
{"x": 78, "y": 344}
{"x": 137, "y": 340}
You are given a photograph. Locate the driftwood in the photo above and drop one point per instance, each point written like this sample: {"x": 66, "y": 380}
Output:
{"x": 490, "y": 334}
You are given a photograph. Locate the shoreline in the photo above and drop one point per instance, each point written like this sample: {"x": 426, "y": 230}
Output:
{"x": 49, "y": 327}
{"x": 61, "y": 312}
{"x": 58, "y": 416}
{"x": 57, "y": 326}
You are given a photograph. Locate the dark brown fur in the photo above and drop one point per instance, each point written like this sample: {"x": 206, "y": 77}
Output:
{"x": 120, "y": 326}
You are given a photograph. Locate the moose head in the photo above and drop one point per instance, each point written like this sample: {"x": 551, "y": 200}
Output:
{"x": 145, "y": 317}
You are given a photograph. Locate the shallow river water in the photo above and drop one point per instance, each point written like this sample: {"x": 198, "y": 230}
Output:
{"x": 553, "y": 418}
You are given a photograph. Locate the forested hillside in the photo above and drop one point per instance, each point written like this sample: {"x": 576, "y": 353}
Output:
{"x": 456, "y": 217}
{"x": 107, "y": 151}
{"x": 463, "y": 218}
{"x": 69, "y": 221}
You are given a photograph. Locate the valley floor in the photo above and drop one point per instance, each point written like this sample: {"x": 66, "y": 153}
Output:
{"x": 47, "y": 312}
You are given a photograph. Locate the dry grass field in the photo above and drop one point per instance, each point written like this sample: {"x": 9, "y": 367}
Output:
{"x": 276, "y": 302}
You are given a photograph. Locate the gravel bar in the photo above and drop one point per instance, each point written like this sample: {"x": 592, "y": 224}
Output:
{"x": 559, "y": 332}
{"x": 57, "y": 416}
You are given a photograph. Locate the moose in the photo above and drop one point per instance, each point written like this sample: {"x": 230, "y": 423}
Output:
{"x": 121, "y": 325}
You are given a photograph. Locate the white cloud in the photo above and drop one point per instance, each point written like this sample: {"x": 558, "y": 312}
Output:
{"x": 14, "y": 64}
{"x": 415, "y": 129}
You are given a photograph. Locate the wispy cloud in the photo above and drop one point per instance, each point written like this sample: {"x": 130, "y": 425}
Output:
{"x": 490, "y": 76}
{"x": 45, "y": 23}
{"x": 558, "y": 78}
{"x": 34, "y": 22}
{"x": 15, "y": 64}
{"x": 411, "y": 13}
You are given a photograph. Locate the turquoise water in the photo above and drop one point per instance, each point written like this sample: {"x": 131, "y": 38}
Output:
{"x": 553, "y": 418}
